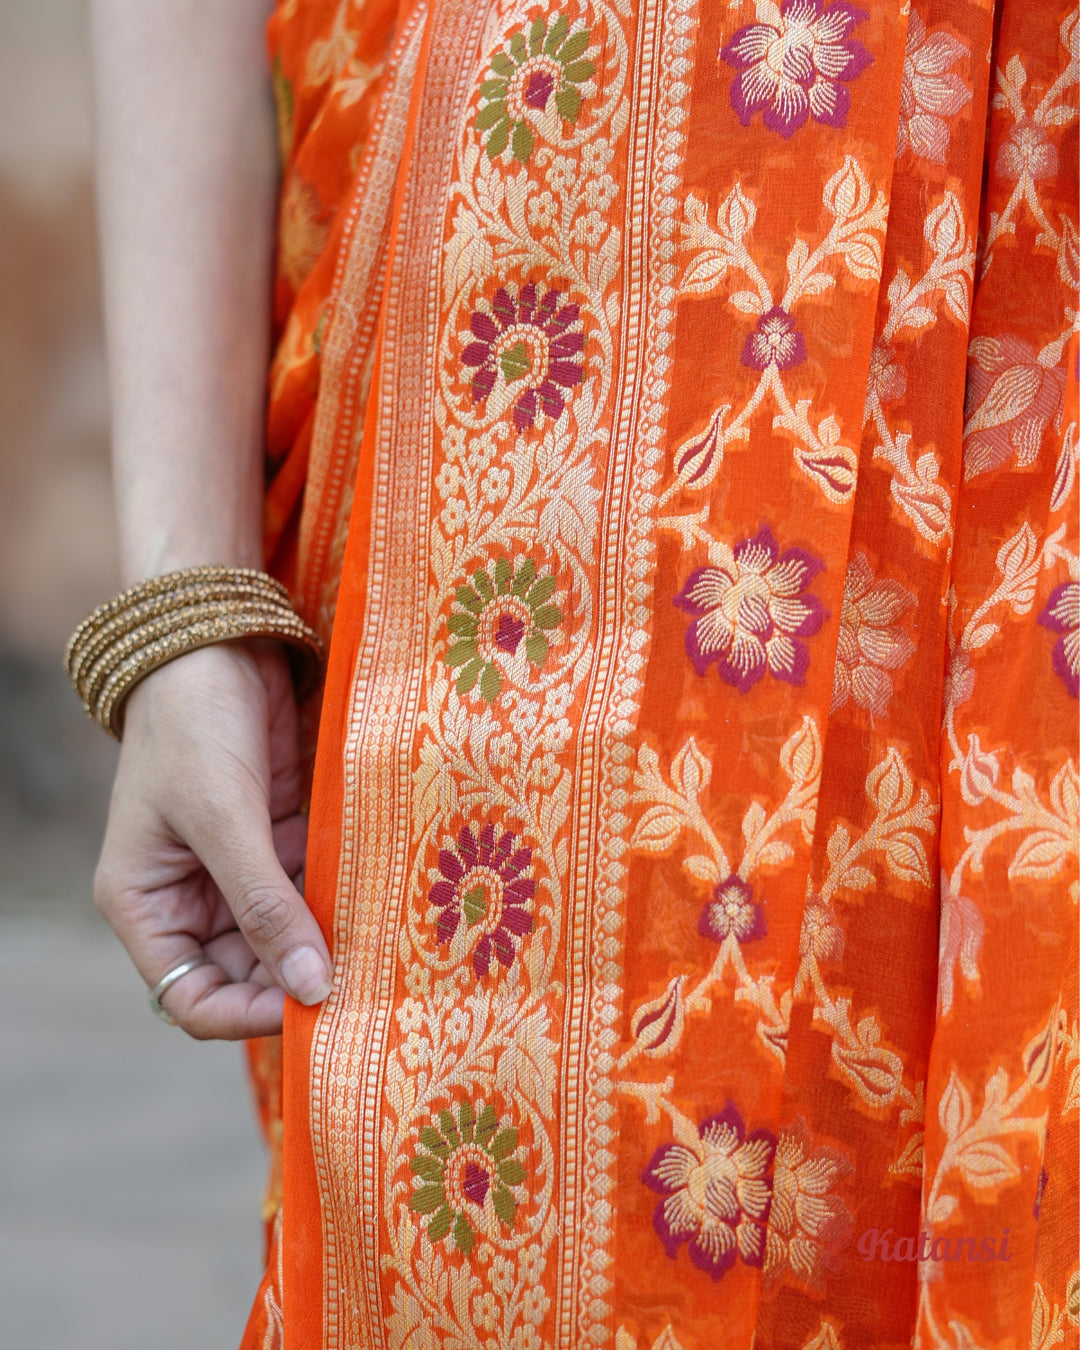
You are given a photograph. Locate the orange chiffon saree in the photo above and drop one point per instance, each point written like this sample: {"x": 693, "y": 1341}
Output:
{"x": 673, "y": 429}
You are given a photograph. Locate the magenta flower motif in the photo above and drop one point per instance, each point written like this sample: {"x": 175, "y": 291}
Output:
{"x": 750, "y": 613}
{"x": 539, "y": 86}
{"x": 716, "y": 1194}
{"x": 530, "y": 343}
{"x": 797, "y": 67}
{"x": 775, "y": 342}
{"x": 732, "y": 910}
{"x": 481, "y": 882}
{"x": 475, "y": 1183}
{"x": 1062, "y": 615}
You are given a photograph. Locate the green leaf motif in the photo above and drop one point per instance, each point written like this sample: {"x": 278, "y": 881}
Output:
{"x": 543, "y": 590}
{"x": 580, "y": 71}
{"x": 504, "y": 1143}
{"x": 431, "y": 1169}
{"x": 463, "y": 1235}
{"x": 523, "y": 577}
{"x": 466, "y": 681}
{"x": 474, "y": 905}
{"x": 548, "y": 617}
{"x": 574, "y": 46}
{"x": 521, "y": 145}
{"x": 433, "y": 1141}
{"x": 505, "y": 1207}
{"x": 490, "y": 115}
{"x": 486, "y": 1124}
{"x": 514, "y": 362}
{"x": 427, "y": 1199}
{"x": 498, "y": 140}
{"x": 557, "y": 35}
{"x": 490, "y": 683}
{"x": 462, "y": 625}
{"x": 460, "y": 652}
{"x": 448, "y": 1125}
{"x": 440, "y": 1225}
{"x": 502, "y": 574}
{"x": 502, "y": 65}
{"x": 568, "y": 103}
{"x": 512, "y": 1171}
{"x": 517, "y": 49}
{"x": 536, "y": 649}
{"x": 482, "y": 582}
{"x": 466, "y": 1119}
{"x": 493, "y": 89}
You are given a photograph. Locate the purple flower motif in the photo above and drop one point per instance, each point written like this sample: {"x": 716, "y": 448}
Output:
{"x": 530, "y": 343}
{"x": 1062, "y": 615}
{"x": 508, "y": 633}
{"x": 481, "y": 882}
{"x": 539, "y": 87}
{"x": 732, "y": 910}
{"x": 797, "y": 67}
{"x": 476, "y": 1183}
{"x": 716, "y": 1193}
{"x": 751, "y": 611}
{"x": 775, "y": 342}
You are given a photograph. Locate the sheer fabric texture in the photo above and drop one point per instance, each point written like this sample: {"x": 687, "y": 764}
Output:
{"x": 673, "y": 423}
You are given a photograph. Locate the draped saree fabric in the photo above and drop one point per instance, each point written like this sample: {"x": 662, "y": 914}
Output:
{"x": 674, "y": 421}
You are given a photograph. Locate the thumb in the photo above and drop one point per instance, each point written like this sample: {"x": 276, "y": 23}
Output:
{"x": 269, "y": 910}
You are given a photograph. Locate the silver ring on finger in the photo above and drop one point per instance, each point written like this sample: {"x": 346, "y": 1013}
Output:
{"x": 168, "y": 980}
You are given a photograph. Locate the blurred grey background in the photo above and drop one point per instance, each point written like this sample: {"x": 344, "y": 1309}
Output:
{"x": 130, "y": 1167}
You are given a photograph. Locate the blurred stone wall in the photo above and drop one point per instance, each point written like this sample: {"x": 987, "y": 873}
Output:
{"x": 56, "y": 531}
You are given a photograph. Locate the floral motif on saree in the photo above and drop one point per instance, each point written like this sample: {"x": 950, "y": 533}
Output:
{"x": 696, "y": 806}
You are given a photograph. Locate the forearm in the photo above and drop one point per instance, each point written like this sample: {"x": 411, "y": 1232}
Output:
{"x": 186, "y": 187}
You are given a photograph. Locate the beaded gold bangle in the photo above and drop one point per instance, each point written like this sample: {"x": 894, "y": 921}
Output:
{"x": 162, "y": 618}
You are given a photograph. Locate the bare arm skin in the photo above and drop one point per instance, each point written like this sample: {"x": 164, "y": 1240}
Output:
{"x": 205, "y": 834}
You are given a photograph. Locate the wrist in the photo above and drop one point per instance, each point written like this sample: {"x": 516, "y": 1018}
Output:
{"x": 163, "y": 618}
{"x": 175, "y": 685}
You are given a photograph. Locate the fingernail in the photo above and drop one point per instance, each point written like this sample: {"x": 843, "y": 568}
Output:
{"x": 305, "y": 975}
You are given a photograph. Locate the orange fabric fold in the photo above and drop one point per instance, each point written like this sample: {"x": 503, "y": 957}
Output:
{"x": 673, "y": 426}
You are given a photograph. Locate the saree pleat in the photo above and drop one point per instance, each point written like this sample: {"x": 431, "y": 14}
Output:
{"x": 673, "y": 426}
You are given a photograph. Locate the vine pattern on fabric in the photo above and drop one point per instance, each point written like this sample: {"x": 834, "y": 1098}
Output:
{"x": 530, "y": 303}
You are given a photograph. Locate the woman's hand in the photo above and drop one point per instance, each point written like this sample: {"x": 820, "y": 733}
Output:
{"x": 204, "y": 831}
{"x": 205, "y": 841}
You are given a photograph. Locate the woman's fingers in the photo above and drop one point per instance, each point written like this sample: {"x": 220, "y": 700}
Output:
{"x": 253, "y": 924}
{"x": 231, "y": 952}
{"x": 231, "y": 998}
{"x": 211, "y": 1006}
{"x": 204, "y": 834}
{"x": 225, "y": 999}
{"x": 238, "y": 851}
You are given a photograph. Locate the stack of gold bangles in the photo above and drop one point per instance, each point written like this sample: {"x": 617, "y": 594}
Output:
{"x": 165, "y": 617}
